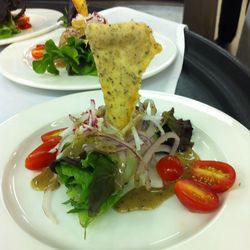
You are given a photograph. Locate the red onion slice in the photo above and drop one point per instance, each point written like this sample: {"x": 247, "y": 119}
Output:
{"x": 150, "y": 153}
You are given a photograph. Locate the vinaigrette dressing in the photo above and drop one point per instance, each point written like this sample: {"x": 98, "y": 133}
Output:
{"x": 46, "y": 179}
{"x": 142, "y": 199}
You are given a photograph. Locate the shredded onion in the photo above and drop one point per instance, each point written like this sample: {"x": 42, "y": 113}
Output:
{"x": 121, "y": 142}
{"x": 138, "y": 141}
{"x": 150, "y": 153}
{"x": 46, "y": 206}
{"x": 156, "y": 121}
{"x": 145, "y": 138}
{"x": 169, "y": 135}
{"x": 64, "y": 136}
{"x": 150, "y": 131}
{"x": 149, "y": 104}
{"x": 95, "y": 18}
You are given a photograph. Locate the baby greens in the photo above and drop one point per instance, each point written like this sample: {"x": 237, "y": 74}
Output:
{"x": 90, "y": 184}
{"x": 7, "y": 20}
{"x": 8, "y": 29}
{"x": 75, "y": 54}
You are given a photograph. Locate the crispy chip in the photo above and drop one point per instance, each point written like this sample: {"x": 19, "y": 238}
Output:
{"x": 122, "y": 53}
{"x": 81, "y": 7}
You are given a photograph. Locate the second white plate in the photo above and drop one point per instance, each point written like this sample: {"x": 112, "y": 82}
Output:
{"x": 42, "y": 21}
{"x": 14, "y": 66}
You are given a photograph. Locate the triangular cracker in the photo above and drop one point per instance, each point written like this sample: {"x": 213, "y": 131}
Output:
{"x": 122, "y": 52}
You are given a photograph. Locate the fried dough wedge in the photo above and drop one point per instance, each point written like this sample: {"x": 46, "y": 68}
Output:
{"x": 81, "y": 7}
{"x": 122, "y": 52}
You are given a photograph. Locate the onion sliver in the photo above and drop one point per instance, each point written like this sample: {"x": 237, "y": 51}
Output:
{"x": 46, "y": 206}
{"x": 169, "y": 135}
{"x": 121, "y": 142}
{"x": 138, "y": 141}
{"x": 150, "y": 152}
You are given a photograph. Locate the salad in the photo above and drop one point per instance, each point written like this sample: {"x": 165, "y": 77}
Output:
{"x": 72, "y": 53}
{"x": 103, "y": 167}
{"x": 10, "y": 23}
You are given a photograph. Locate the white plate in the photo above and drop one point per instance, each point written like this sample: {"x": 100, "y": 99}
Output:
{"x": 171, "y": 226}
{"x": 14, "y": 66}
{"x": 42, "y": 21}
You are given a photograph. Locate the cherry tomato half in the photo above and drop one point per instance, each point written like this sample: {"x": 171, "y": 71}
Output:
{"x": 41, "y": 157}
{"x": 52, "y": 134}
{"x": 24, "y": 26}
{"x": 169, "y": 168}
{"x": 195, "y": 196}
{"x": 23, "y": 22}
{"x": 23, "y": 19}
{"x": 219, "y": 176}
{"x": 40, "y": 46}
{"x": 37, "y": 53}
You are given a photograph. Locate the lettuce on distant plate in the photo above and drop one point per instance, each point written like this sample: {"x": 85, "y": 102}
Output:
{"x": 8, "y": 26}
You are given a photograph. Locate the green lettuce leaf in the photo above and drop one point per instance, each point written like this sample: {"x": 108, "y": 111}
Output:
{"x": 76, "y": 55}
{"x": 8, "y": 30}
{"x": 90, "y": 185}
{"x": 103, "y": 184}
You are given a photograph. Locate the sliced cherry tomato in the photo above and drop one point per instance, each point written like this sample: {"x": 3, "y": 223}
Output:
{"x": 40, "y": 46}
{"x": 169, "y": 168}
{"x": 37, "y": 53}
{"x": 41, "y": 157}
{"x": 23, "y": 22}
{"x": 52, "y": 134}
{"x": 219, "y": 176}
{"x": 195, "y": 196}
{"x": 23, "y": 19}
{"x": 23, "y": 26}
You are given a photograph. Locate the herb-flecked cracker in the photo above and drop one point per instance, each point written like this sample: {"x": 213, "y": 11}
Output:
{"x": 122, "y": 52}
{"x": 81, "y": 7}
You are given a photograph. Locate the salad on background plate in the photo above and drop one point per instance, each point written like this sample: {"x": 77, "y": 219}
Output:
{"x": 72, "y": 51}
{"x": 18, "y": 23}
{"x": 16, "y": 62}
{"x": 13, "y": 23}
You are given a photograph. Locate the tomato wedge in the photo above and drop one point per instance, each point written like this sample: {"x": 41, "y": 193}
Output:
{"x": 40, "y": 46}
{"x": 52, "y": 134}
{"x": 219, "y": 176}
{"x": 23, "y": 22}
{"x": 38, "y": 51}
{"x": 41, "y": 157}
{"x": 23, "y": 19}
{"x": 196, "y": 197}
{"x": 169, "y": 168}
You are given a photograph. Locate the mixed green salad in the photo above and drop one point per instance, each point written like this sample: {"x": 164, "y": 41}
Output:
{"x": 73, "y": 51}
{"x": 97, "y": 163}
{"x": 75, "y": 55}
{"x": 11, "y": 24}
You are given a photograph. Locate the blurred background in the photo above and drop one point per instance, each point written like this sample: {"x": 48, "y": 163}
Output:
{"x": 225, "y": 22}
